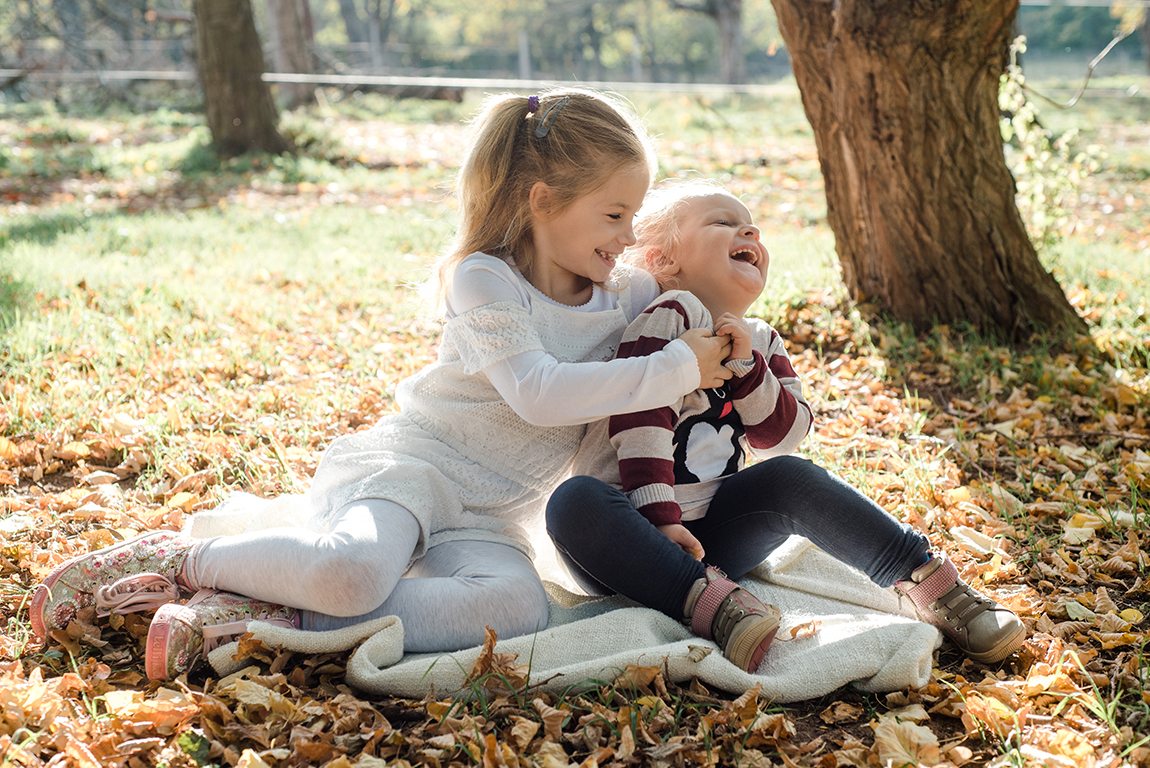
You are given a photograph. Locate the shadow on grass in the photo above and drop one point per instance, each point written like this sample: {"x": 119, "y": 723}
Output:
{"x": 42, "y": 228}
{"x": 17, "y": 293}
{"x": 17, "y": 298}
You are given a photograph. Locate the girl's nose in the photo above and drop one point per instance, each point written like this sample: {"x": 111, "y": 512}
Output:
{"x": 751, "y": 231}
{"x": 628, "y": 237}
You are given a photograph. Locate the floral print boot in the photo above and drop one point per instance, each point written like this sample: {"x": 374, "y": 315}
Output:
{"x": 182, "y": 635}
{"x": 135, "y": 575}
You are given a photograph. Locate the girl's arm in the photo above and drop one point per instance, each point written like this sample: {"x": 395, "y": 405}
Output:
{"x": 544, "y": 391}
{"x": 768, "y": 396}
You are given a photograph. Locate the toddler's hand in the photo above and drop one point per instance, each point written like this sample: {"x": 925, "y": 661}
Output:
{"x": 739, "y": 332}
{"x": 677, "y": 533}
{"x": 710, "y": 351}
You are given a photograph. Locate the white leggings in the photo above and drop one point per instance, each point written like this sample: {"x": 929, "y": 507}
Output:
{"x": 354, "y": 571}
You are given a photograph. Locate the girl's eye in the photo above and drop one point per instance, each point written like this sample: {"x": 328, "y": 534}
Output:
{"x": 615, "y": 216}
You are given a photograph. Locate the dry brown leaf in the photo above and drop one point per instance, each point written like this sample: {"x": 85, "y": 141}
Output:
{"x": 552, "y": 719}
{"x": 841, "y": 712}
{"x": 902, "y": 743}
{"x": 523, "y": 731}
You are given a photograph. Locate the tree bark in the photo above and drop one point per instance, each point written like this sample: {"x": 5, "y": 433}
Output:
{"x": 352, "y": 22}
{"x": 290, "y": 38}
{"x": 240, "y": 110}
{"x": 903, "y": 99}
{"x": 72, "y": 21}
{"x": 1144, "y": 32}
{"x": 728, "y": 14}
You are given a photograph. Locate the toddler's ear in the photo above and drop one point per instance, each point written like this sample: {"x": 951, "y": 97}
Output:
{"x": 659, "y": 262}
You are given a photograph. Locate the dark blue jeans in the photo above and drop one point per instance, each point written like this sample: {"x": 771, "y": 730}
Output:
{"x": 609, "y": 547}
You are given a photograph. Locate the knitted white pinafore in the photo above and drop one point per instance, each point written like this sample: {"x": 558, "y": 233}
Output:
{"x": 457, "y": 456}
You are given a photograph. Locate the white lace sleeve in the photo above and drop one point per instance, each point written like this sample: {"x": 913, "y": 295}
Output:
{"x": 490, "y": 333}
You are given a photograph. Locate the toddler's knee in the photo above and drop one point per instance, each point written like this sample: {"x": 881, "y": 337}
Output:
{"x": 571, "y": 502}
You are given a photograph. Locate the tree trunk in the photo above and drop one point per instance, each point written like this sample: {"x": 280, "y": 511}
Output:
{"x": 1144, "y": 31}
{"x": 72, "y": 22}
{"x": 729, "y": 15}
{"x": 240, "y": 111}
{"x": 903, "y": 99}
{"x": 288, "y": 30}
{"x": 352, "y": 22}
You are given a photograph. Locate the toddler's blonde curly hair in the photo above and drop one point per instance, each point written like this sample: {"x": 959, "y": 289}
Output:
{"x": 657, "y": 225}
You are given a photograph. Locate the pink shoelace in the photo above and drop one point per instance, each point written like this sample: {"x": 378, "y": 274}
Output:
{"x": 216, "y": 635}
{"x": 141, "y": 592}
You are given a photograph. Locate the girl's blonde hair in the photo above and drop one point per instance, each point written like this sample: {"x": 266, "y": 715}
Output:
{"x": 657, "y": 225}
{"x": 586, "y": 137}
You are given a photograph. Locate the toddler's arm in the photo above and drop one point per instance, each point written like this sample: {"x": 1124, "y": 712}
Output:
{"x": 644, "y": 440}
{"x": 768, "y": 395}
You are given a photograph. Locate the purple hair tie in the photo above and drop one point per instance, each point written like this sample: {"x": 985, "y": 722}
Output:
{"x": 532, "y": 104}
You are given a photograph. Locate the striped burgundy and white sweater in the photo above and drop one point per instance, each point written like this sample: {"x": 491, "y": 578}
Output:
{"x": 670, "y": 461}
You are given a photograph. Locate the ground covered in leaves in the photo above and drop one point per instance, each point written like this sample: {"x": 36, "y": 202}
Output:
{"x": 1030, "y": 466}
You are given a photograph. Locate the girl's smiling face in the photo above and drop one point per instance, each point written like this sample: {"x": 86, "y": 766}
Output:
{"x": 717, "y": 255}
{"x": 578, "y": 246}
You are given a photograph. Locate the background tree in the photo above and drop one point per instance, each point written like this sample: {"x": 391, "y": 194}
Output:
{"x": 902, "y": 97}
{"x": 728, "y": 14}
{"x": 290, "y": 36}
{"x": 240, "y": 112}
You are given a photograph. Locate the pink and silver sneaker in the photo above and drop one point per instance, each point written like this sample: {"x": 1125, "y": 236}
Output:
{"x": 182, "y": 635}
{"x": 139, "y": 574}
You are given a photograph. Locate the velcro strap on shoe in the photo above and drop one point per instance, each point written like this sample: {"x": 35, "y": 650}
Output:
{"x": 935, "y": 585}
{"x": 708, "y": 605}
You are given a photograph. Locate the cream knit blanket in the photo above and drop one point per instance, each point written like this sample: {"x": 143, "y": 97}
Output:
{"x": 856, "y": 633}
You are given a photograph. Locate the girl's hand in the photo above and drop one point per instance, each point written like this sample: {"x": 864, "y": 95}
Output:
{"x": 677, "y": 533}
{"x": 739, "y": 332}
{"x": 710, "y": 351}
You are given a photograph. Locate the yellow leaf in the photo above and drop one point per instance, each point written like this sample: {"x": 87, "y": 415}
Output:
{"x": 182, "y": 500}
{"x": 249, "y": 759}
{"x": 959, "y": 494}
{"x": 1074, "y": 536}
{"x": 1132, "y": 615}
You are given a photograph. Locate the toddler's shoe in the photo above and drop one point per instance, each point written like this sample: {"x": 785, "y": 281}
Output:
{"x": 135, "y": 575}
{"x": 982, "y": 628}
{"x": 182, "y": 635}
{"x": 742, "y": 625}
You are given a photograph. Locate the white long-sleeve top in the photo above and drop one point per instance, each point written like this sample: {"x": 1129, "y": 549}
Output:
{"x": 486, "y": 432}
{"x": 545, "y": 391}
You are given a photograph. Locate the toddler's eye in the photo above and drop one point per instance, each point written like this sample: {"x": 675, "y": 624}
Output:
{"x": 615, "y": 216}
